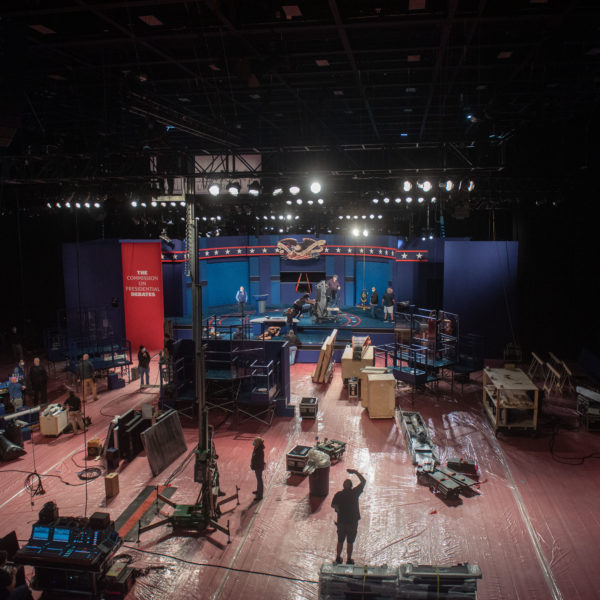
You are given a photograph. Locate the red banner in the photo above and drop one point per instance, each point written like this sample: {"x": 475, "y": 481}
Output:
{"x": 143, "y": 294}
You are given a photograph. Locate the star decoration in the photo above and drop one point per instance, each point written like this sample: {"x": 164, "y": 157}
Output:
{"x": 370, "y": 250}
{"x": 326, "y": 250}
{"x": 419, "y": 256}
{"x": 338, "y": 249}
{"x": 380, "y": 251}
{"x": 264, "y": 250}
{"x": 227, "y": 251}
{"x": 239, "y": 250}
{"x": 251, "y": 250}
{"x": 206, "y": 253}
{"x": 362, "y": 251}
{"x": 386, "y": 253}
{"x": 404, "y": 255}
{"x": 216, "y": 252}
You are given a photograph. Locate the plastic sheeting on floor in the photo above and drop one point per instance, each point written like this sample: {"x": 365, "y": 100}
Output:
{"x": 532, "y": 527}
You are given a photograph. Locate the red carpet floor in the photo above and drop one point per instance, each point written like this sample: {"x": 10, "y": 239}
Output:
{"x": 533, "y": 527}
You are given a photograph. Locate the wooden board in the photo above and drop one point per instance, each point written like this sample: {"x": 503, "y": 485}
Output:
{"x": 321, "y": 372}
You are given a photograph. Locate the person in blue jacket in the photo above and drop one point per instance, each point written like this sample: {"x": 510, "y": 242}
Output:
{"x": 241, "y": 298}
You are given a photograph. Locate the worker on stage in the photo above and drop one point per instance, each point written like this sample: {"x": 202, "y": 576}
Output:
{"x": 333, "y": 289}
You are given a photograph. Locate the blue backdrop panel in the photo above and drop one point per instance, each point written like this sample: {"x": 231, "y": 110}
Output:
{"x": 480, "y": 285}
{"x": 224, "y": 280}
{"x": 376, "y": 273}
{"x": 93, "y": 277}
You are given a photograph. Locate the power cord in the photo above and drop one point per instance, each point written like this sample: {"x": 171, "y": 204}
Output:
{"x": 568, "y": 460}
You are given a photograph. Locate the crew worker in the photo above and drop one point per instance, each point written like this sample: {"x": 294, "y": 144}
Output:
{"x": 73, "y": 405}
{"x": 241, "y": 298}
{"x": 388, "y": 304}
{"x": 38, "y": 379}
{"x": 294, "y": 342}
{"x": 87, "y": 378}
{"x": 144, "y": 366}
{"x": 257, "y": 464}
{"x": 9, "y": 590}
{"x": 333, "y": 288}
{"x": 374, "y": 301}
{"x": 299, "y": 305}
{"x": 345, "y": 504}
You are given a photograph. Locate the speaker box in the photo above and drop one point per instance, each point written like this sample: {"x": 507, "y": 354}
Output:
{"x": 9, "y": 450}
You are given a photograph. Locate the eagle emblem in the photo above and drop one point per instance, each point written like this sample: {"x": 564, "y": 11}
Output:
{"x": 291, "y": 249}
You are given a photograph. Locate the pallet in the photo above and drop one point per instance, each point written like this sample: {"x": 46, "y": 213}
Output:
{"x": 324, "y": 369}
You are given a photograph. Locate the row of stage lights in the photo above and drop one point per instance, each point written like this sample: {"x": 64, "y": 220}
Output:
{"x": 255, "y": 188}
{"x": 69, "y": 204}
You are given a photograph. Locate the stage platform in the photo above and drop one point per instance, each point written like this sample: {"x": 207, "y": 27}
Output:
{"x": 350, "y": 322}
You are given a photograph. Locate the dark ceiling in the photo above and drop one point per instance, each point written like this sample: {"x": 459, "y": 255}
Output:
{"x": 361, "y": 93}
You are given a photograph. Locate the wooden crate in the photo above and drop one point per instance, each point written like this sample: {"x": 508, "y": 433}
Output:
{"x": 111, "y": 484}
{"x": 364, "y": 381}
{"x": 381, "y": 402}
{"x": 351, "y": 368}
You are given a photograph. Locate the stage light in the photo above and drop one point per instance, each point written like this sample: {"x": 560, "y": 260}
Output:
{"x": 296, "y": 217}
{"x": 375, "y": 200}
{"x": 163, "y": 204}
{"x": 371, "y": 216}
{"x": 254, "y": 188}
{"x": 433, "y": 199}
{"x": 310, "y": 202}
{"x": 133, "y": 203}
{"x": 67, "y": 205}
{"x": 173, "y": 203}
{"x": 426, "y": 186}
{"x": 407, "y": 185}
{"x": 96, "y": 204}
{"x": 277, "y": 191}
{"x": 365, "y": 232}
{"x": 294, "y": 189}
{"x": 397, "y": 200}
{"x": 272, "y": 217}
{"x": 77, "y": 205}
{"x": 214, "y": 189}
{"x": 355, "y": 232}
{"x": 340, "y": 216}
{"x": 204, "y": 218}
{"x": 265, "y": 217}
{"x": 380, "y": 216}
{"x": 471, "y": 186}
{"x": 449, "y": 185}
{"x": 48, "y": 205}
{"x": 58, "y": 205}
{"x": 154, "y": 203}
{"x": 420, "y": 199}
{"x": 347, "y": 216}
{"x": 423, "y": 238}
{"x": 218, "y": 217}
{"x": 288, "y": 217}
{"x": 431, "y": 236}
{"x": 408, "y": 199}
{"x": 355, "y": 217}
{"x": 233, "y": 188}
{"x": 280, "y": 217}
{"x": 289, "y": 202}
{"x": 386, "y": 200}
{"x": 280, "y": 230}
{"x": 320, "y": 201}
{"x": 87, "y": 204}
{"x": 299, "y": 201}
{"x": 363, "y": 217}
{"x": 181, "y": 203}
{"x": 315, "y": 187}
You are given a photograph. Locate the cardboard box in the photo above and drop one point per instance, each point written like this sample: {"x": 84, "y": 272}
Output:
{"x": 381, "y": 402}
{"x": 111, "y": 484}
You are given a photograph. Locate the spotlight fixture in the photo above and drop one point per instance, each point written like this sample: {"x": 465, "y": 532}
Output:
{"x": 87, "y": 204}
{"x": 321, "y": 201}
{"x": 254, "y": 188}
{"x": 340, "y": 217}
{"x": 386, "y": 200}
{"x": 407, "y": 185}
{"x": 315, "y": 187}
{"x": 214, "y": 189}
{"x": 375, "y": 200}
{"x": 447, "y": 185}
{"x": 78, "y": 205}
{"x": 355, "y": 232}
{"x": 470, "y": 186}
{"x": 272, "y": 217}
{"x": 67, "y": 205}
{"x": 365, "y": 232}
{"x": 408, "y": 199}
{"x": 154, "y": 203}
{"x": 288, "y": 217}
{"x": 397, "y": 200}
{"x": 58, "y": 205}
{"x": 277, "y": 191}
{"x": 233, "y": 188}
{"x": 48, "y": 205}
{"x": 310, "y": 202}
{"x": 433, "y": 200}
{"x": 173, "y": 203}
{"x": 347, "y": 216}
{"x": 289, "y": 202}
{"x": 420, "y": 199}
{"x": 163, "y": 204}
{"x": 380, "y": 216}
{"x": 371, "y": 216}
{"x": 133, "y": 203}
{"x": 298, "y": 201}
{"x": 426, "y": 186}
{"x": 294, "y": 189}
{"x": 181, "y": 203}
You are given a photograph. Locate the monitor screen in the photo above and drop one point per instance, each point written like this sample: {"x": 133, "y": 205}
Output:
{"x": 61, "y": 534}
{"x": 41, "y": 534}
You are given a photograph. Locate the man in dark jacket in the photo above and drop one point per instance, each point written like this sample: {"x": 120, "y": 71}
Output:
{"x": 38, "y": 381}
{"x": 257, "y": 464}
{"x": 374, "y": 301}
{"x": 241, "y": 298}
{"x": 345, "y": 503}
{"x": 144, "y": 366}
{"x": 87, "y": 377}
